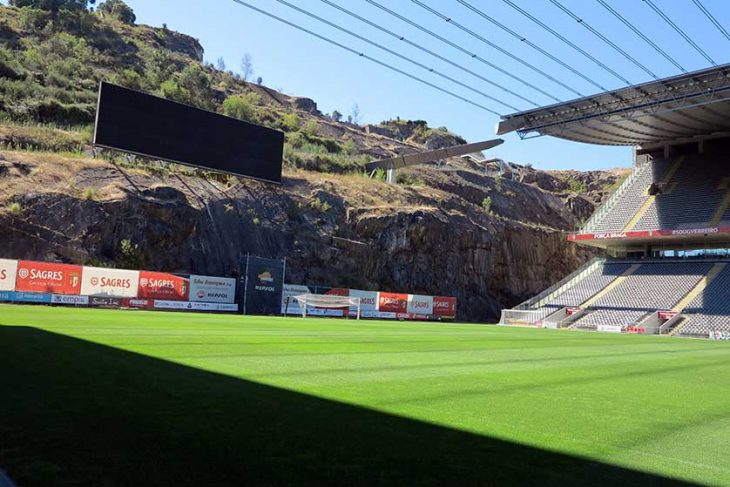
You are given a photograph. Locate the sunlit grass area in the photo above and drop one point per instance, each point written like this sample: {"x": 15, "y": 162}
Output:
{"x": 93, "y": 397}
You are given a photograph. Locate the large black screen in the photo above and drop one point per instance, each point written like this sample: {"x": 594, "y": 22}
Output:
{"x": 143, "y": 124}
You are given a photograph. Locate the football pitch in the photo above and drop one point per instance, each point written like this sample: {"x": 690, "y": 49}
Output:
{"x": 94, "y": 397}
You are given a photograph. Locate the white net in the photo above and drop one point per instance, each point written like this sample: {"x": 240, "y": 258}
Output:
{"x": 520, "y": 317}
{"x": 720, "y": 335}
{"x": 327, "y": 301}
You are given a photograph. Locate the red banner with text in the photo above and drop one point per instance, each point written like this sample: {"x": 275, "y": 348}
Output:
{"x": 444, "y": 306}
{"x": 393, "y": 302}
{"x": 45, "y": 277}
{"x": 160, "y": 285}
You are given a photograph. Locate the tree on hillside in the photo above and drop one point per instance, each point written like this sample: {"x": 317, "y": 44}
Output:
{"x": 54, "y": 6}
{"x": 119, "y": 10}
{"x": 221, "y": 64}
{"x": 191, "y": 86}
{"x": 355, "y": 114}
{"x": 246, "y": 67}
{"x": 336, "y": 116}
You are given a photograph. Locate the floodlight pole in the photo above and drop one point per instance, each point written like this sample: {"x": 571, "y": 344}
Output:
{"x": 245, "y": 284}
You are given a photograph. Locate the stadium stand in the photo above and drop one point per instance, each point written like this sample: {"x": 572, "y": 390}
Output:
{"x": 691, "y": 192}
{"x": 692, "y": 198}
{"x": 580, "y": 291}
{"x": 666, "y": 229}
{"x": 623, "y": 293}
{"x": 709, "y": 310}
{"x": 630, "y": 201}
{"x": 651, "y": 287}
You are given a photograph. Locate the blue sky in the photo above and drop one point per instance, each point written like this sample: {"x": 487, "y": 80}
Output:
{"x": 305, "y": 66}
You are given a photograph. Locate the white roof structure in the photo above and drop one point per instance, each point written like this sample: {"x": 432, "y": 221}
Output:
{"x": 678, "y": 109}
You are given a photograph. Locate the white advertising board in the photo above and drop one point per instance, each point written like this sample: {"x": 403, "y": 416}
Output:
{"x": 204, "y": 306}
{"x": 8, "y": 271}
{"x": 164, "y": 304}
{"x": 289, "y": 291}
{"x": 207, "y": 289}
{"x": 368, "y": 300}
{"x": 609, "y": 328}
{"x": 229, "y": 308}
{"x": 417, "y": 304}
{"x": 96, "y": 281}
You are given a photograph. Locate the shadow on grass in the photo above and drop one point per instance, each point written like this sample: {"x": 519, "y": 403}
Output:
{"x": 77, "y": 413}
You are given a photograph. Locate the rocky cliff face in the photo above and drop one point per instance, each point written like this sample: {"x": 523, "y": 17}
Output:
{"x": 436, "y": 237}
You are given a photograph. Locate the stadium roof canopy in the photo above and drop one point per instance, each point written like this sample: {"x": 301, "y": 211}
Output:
{"x": 677, "y": 109}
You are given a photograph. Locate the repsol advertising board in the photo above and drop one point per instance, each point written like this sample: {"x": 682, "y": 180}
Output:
{"x": 8, "y": 271}
{"x": 110, "y": 282}
{"x": 206, "y": 289}
{"x": 264, "y": 285}
{"x": 393, "y": 302}
{"x": 44, "y": 277}
{"x": 160, "y": 285}
{"x": 421, "y": 305}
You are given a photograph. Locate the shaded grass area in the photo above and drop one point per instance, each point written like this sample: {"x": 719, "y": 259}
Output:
{"x": 125, "y": 398}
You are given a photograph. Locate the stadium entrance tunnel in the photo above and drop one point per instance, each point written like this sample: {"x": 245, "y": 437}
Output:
{"x": 79, "y": 413}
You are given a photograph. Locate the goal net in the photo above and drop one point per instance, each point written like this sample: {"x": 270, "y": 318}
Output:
{"x": 327, "y": 301}
{"x": 520, "y": 317}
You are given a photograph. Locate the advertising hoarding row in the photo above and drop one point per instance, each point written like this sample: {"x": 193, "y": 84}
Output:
{"x": 162, "y": 304}
{"x": 105, "y": 286}
{"x": 374, "y": 304}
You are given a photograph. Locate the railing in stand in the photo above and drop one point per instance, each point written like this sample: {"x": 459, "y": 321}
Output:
{"x": 553, "y": 290}
{"x": 593, "y": 222}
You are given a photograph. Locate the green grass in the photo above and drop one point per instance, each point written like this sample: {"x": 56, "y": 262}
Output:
{"x": 136, "y": 398}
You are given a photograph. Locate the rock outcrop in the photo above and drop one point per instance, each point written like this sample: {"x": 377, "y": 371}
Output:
{"x": 434, "y": 238}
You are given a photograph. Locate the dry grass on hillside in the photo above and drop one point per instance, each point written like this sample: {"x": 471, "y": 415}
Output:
{"x": 97, "y": 179}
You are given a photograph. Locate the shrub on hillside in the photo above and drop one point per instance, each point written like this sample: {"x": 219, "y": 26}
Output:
{"x": 53, "y": 111}
{"x": 487, "y": 204}
{"x": 242, "y": 107}
{"x": 290, "y": 121}
{"x": 311, "y": 128}
{"x": 32, "y": 19}
{"x": 129, "y": 78}
{"x": 65, "y": 46}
